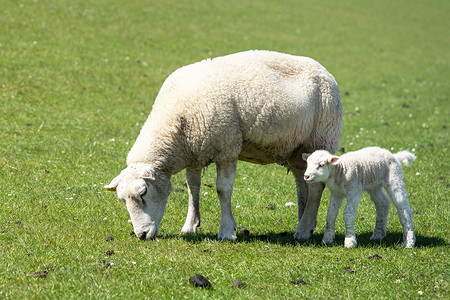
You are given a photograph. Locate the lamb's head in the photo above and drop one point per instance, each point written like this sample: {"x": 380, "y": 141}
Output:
{"x": 319, "y": 164}
{"x": 145, "y": 193}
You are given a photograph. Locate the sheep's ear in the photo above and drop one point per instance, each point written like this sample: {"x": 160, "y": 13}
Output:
{"x": 148, "y": 174}
{"x": 114, "y": 183}
{"x": 305, "y": 156}
{"x": 334, "y": 160}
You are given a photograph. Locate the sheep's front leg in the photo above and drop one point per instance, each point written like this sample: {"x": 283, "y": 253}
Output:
{"x": 333, "y": 211}
{"x": 308, "y": 199}
{"x": 193, "y": 179}
{"x": 226, "y": 173}
{"x": 349, "y": 219}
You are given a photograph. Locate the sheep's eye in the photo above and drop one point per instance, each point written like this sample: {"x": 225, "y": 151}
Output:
{"x": 142, "y": 191}
{"x": 320, "y": 165}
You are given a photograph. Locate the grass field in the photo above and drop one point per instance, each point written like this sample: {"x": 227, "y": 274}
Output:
{"x": 77, "y": 81}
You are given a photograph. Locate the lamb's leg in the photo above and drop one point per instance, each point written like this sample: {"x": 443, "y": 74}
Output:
{"x": 398, "y": 196}
{"x": 349, "y": 215}
{"x": 193, "y": 179}
{"x": 333, "y": 211}
{"x": 307, "y": 210}
{"x": 382, "y": 203}
{"x": 226, "y": 173}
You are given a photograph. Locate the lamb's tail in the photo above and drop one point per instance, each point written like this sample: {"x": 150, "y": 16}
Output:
{"x": 405, "y": 157}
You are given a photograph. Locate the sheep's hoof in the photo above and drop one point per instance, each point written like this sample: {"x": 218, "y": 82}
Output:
{"x": 228, "y": 238}
{"x": 302, "y": 236}
{"x": 350, "y": 242}
{"x": 377, "y": 236}
{"x": 326, "y": 241}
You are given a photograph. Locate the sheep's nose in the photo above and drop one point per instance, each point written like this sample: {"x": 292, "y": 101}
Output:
{"x": 143, "y": 235}
{"x": 307, "y": 177}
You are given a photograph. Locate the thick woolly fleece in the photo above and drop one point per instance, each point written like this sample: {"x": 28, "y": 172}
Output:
{"x": 370, "y": 169}
{"x": 257, "y": 106}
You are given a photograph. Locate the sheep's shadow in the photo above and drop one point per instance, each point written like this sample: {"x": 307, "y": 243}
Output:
{"x": 391, "y": 240}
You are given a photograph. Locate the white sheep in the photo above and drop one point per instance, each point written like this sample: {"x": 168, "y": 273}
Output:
{"x": 256, "y": 106}
{"x": 370, "y": 169}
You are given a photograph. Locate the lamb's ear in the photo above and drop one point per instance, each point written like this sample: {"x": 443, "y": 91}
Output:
{"x": 334, "y": 160}
{"x": 305, "y": 156}
{"x": 114, "y": 183}
{"x": 148, "y": 173}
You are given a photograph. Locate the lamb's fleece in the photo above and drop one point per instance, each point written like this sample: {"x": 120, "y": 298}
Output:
{"x": 257, "y": 106}
{"x": 370, "y": 169}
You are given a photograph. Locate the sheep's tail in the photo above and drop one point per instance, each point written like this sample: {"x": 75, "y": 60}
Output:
{"x": 405, "y": 157}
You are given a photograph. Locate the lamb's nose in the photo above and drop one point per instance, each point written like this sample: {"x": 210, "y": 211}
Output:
{"x": 307, "y": 177}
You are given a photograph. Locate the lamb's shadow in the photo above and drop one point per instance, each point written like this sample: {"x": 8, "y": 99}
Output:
{"x": 391, "y": 240}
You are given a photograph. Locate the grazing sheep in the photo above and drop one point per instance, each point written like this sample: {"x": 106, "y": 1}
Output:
{"x": 370, "y": 169}
{"x": 256, "y": 106}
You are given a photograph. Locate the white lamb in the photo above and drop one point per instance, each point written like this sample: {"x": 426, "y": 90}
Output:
{"x": 257, "y": 106}
{"x": 370, "y": 169}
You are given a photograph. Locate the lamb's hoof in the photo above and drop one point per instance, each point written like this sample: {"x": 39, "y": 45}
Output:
{"x": 188, "y": 230}
{"x": 410, "y": 241}
{"x": 350, "y": 242}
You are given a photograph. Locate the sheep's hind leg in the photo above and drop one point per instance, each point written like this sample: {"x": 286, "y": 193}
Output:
{"x": 333, "y": 211}
{"x": 193, "y": 179}
{"x": 308, "y": 199}
{"x": 226, "y": 173}
{"x": 382, "y": 203}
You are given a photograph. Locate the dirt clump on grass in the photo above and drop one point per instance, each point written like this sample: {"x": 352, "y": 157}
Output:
{"x": 237, "y": 283}
{"x": 199, "y": 281}
{"x": 300, "y": 281}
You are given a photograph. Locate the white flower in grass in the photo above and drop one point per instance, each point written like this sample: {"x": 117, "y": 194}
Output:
{"x": 420, "y": 292}
{"x": 398, "y": 281}
{"x": 289, "y": 204}
{"x": 413, "y": 149}
{"x": 105, "y": 218}
{"x": 129, "y": 221}
{"x": 112, "y": 140}
{"x": 133, "y": 262}
{"x": 417, "y": 173}
{"x": 206, "y": 193}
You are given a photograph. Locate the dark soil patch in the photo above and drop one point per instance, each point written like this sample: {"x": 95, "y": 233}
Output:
{"x": 375, "y": 256}
{"x": 237, "y": 283}
{"x": 300, "y": 281}
{"x": 271, "y": 206}
{"x": 199, "y": 281}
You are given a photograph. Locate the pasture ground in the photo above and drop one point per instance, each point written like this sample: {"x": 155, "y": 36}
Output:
{"x": 77, "y": 81}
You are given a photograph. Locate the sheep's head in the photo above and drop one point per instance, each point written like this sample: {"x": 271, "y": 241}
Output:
{"x": 145, "y": 195}
{"x": 319, "y": 163}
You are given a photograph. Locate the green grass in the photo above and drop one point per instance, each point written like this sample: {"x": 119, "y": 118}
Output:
{"x": 77, "y": 81}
